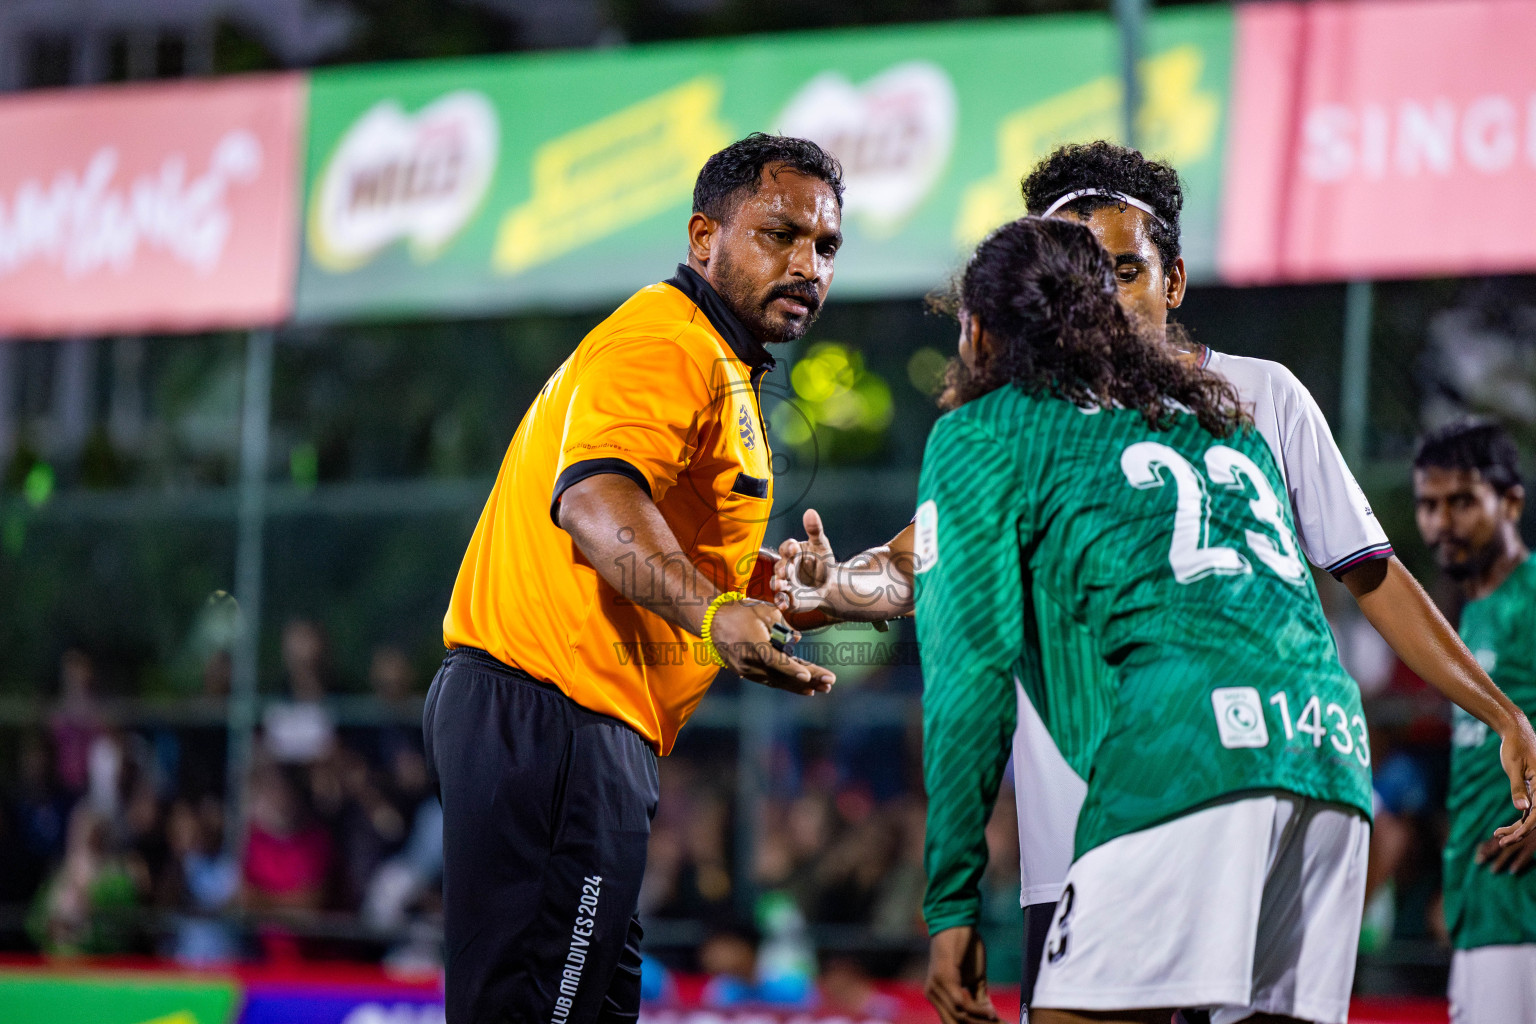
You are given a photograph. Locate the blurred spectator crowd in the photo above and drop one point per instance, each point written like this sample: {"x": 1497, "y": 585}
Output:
{"x": 115, "y": 836}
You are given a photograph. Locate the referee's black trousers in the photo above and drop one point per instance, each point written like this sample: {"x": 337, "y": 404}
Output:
{"x": 547, "y": 810}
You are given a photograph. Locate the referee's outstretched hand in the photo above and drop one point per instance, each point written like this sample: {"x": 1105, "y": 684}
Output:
{"x": 741, "y": 632}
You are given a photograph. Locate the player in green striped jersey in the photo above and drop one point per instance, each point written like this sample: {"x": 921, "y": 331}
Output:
{"x": 1067, "y": 464}
{"x": 1044, "y": 460}
{"x": 1467, "y": 500}
{"x": 1099, "y": 184}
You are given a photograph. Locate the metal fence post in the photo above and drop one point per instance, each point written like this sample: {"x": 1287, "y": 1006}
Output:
{"x": 1354, "y": 384}
{"x": 1130, "y": 16}
{"x": 255, "y": 422}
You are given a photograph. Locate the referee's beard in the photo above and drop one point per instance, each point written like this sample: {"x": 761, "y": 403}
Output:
{"x": 754, "y": 307}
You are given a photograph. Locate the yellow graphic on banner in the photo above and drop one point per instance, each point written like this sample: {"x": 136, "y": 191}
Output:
{"x": 180, "y": 1017}
{"x": 612, "y": 173}
{"x": 1177, "y": 122}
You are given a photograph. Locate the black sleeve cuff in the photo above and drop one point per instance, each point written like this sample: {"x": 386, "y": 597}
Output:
{"x": 578, "y": 471}
{"x": 1348, "y": 562}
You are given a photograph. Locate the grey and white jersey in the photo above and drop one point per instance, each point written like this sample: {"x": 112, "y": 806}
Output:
{"x": 1334, "y": 521}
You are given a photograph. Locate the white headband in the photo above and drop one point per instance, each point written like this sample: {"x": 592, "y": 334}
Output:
{"x": 1119, "y": 197}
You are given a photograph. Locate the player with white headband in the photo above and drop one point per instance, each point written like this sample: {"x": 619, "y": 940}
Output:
{"x": 1107, "y": 193}
{"x": 1132, "y": 205}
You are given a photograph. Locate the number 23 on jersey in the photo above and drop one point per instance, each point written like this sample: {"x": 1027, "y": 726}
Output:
{"x": 1148, "y": 464}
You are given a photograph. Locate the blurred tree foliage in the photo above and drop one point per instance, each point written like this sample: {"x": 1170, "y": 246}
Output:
{"x": 406, "y": 400}
{"x": 391, "y": 405}
{"x": 651, "y": 20}
{"x": 415, "y": 29}
{"x": 418, "y": 29}
{"x": 376, "y": 405}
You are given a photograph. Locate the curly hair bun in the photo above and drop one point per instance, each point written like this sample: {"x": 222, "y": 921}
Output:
{"x": 1044, "y": 292}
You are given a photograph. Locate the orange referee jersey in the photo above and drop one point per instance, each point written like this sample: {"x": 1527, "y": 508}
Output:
{"x": 665, "y": 392}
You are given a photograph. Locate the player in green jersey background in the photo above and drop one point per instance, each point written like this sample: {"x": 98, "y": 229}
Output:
{"x": 1468, "y": 499}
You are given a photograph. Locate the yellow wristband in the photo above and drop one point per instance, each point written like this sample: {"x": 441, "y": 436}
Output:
{"x": 724, "y": 598}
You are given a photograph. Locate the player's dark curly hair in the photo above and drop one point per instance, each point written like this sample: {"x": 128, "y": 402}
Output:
{"x": 1044, "y": 291}
{"x": 737, "y": 171}
{"x": 1105, "y": 165}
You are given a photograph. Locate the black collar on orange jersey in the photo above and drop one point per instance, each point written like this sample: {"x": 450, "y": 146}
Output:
{"x": 747, "y": 348}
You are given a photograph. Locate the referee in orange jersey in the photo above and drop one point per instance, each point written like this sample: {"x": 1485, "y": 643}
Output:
{"x": 604, "y": 588}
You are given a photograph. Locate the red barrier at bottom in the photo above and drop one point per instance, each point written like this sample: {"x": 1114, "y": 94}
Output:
{"x": 35, "y": 992}
{"x": 1398, "y": 1011}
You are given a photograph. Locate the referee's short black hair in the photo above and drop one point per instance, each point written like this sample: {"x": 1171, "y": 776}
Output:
{"x": 737, "y": 171}
{"x": 1477, "y": 444}
{"x": 1106, "y": 165}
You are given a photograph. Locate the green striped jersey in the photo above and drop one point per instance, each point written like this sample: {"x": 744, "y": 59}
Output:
{"x": 1482, "y": 908}
{"x": 1063, "y": 711}
{"x": 1174, "y": 551}
{"x": 1336, "y": 530}
{"x": 1073, "y": 691}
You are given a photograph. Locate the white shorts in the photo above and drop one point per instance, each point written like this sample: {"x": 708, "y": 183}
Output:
{"x": 1246, "y": 907}
{"x": 1493, "y": 985}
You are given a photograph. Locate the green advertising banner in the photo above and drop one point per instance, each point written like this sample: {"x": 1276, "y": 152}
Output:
{"x": 496, "y": 184}
{"x": 28, "y": 997}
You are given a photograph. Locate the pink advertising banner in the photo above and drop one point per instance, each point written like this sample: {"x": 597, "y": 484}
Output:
{"x": 1381, "y": 139}
{"x": 164, "y": 207}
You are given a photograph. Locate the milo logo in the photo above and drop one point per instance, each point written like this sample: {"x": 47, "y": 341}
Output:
{"x": 395, "y": 176}
{"x": 893, "y": 133}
